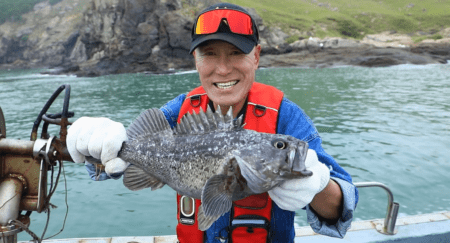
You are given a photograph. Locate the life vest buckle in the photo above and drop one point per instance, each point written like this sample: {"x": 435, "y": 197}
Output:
{"x": 196, "y": 99}
{"x": 261, "y": 108}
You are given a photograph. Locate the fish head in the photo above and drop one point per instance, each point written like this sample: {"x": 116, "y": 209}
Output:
{"x": 295, "y": 156}
{"x": 271, "y": 159}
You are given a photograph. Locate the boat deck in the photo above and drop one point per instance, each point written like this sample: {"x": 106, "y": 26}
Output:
{"x": 433, "y": 227}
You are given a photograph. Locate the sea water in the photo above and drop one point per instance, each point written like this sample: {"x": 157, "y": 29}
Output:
{"x": 390, "y": 125}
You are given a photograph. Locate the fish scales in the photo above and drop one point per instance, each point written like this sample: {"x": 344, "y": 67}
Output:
{"x": 210, "y": 157}
{"x": 199, "y": 156}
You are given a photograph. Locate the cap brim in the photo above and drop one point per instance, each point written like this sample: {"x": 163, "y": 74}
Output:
{"x": 242, "y": 43}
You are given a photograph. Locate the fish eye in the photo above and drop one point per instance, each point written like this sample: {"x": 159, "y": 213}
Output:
{"x": 279, "y": 144}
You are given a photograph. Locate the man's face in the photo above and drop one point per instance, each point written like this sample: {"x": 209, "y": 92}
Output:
{"x": 226, "y": 73}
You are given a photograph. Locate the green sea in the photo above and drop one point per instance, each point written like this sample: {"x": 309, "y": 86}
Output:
{"x": 390, "y": 125}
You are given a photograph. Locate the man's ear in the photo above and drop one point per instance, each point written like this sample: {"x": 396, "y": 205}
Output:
{"x": 194, "y": 53}
{"x": 257, "y": 55}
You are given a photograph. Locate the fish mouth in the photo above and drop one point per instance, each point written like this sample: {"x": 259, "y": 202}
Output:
{"x": 226, "y": 85}
{"x": 296, "y": 160}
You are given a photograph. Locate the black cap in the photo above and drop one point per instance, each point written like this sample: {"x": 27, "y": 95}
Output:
{"x": 245, "y": 43}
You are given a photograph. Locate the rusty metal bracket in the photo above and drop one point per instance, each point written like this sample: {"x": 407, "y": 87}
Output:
{"x": 42, "y": 169}
{"x": 38, "y": 147}
{"x": 41, "y": 177}
{"x": 47, "y": 150}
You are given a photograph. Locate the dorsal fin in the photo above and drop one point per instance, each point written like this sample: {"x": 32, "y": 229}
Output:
{"x": 205, "y": 122}
{"x": 150, "y": 121}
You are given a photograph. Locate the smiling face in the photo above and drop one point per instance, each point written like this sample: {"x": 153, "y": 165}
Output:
{"x": 226, "y": 73}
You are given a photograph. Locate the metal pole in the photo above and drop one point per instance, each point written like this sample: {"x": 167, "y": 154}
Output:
{"x": 28, "y": 148}
{"x": 10, "y": 195}
{"x": 392, "y": 207}
{"x": 16, "y": 147}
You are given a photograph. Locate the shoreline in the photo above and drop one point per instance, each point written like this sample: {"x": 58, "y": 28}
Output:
{"x": 364, "y": 55}
{"x": 378, "y": 50}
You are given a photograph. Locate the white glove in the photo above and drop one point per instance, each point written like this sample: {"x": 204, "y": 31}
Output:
{"x": 295, "y": 194}
{"x": 100, "y": 138}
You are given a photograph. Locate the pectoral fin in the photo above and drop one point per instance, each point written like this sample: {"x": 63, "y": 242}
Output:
{"x": 137, "y": 179}
{"x": 216, "y": 195}
{"x": 204, "y": 222}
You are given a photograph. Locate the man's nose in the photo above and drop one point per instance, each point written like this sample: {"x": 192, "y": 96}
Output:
{"x": 223, "y": 66}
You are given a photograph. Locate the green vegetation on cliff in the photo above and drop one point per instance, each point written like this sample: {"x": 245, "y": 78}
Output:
{"x": 11, "y": 10}
{"x": 352, "y": 18}
{"x": 303, "y": 18}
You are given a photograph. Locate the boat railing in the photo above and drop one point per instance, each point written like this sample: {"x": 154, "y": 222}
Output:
{"x": 392, "y": 207}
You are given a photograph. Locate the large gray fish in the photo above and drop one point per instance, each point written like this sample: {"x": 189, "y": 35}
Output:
{"x": 210, "y": 157}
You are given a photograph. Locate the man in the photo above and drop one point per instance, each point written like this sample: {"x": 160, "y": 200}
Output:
{"x": 226, "y": 51}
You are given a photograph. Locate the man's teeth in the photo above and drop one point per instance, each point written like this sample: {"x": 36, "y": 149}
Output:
{"x": 225, "y": 85}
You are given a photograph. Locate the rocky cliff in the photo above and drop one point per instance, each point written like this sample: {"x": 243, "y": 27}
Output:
{"x": 98, "y": 37}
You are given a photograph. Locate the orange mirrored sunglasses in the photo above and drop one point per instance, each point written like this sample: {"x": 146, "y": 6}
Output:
{"x": 239, "y": 22}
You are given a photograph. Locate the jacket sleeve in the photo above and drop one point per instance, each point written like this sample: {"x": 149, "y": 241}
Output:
{"x": 172, "y": 108}
{"x": 293, "y": 121}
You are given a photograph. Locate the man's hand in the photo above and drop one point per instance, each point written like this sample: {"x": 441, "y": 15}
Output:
{"x": 295, "y": 194}
{"x": 100, "y": 138}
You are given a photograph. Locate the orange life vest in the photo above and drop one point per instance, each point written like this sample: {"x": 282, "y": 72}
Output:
{"x": 263, "y": 102}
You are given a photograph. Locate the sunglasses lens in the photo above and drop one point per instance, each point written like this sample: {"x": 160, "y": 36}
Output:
{"x": 239, "y": 22}
{"x": 207, "y": 23}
